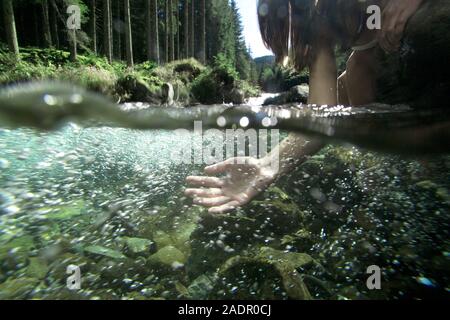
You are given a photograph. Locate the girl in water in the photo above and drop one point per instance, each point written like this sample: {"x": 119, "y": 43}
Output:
{"x": 310, "y": 30}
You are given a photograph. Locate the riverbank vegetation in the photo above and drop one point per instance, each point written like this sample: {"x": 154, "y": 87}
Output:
{"x": 130, "y": 50}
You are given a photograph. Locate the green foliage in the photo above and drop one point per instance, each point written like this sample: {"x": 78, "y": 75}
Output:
{"x": 224, "y": 70}
{"x": 48, "y": 56}
{"x": 205, "y": 88}
{"x": 128, "y": 82}
{"x": 276, "y": 78}
{"x": 189, "y": 68}
{"x": 100, "y": 63}
{"x": 92, "y": 78}
{"x": 248, "y": 89}
{"x": 216, "y": 81}
{"x": 12, "y": 71}
{"x": 210, "y": 85}
{"x": 146, "y": 66}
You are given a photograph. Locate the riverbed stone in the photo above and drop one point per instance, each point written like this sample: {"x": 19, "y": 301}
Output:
{"x": 16, "y": 251}
{"x": 103, "y": 251}
{"x": 268, "y": 274}
{"x": 168, "y": 256}
{"x": 17, "y": 288}
{"x": 138, "y": 245}
{"x": 37, "y": 268}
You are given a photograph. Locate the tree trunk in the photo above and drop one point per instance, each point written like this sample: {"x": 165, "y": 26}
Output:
{"x": 54, "y": 24}
{"x": 93, "y": 23}
{"x": 37, "y": 32}
{"x": 177, "y": 29}
{"x": 117, "y": 43}
{"x": 186, "y": 29}
{"x": 166, "y": 32}
{"x": 107, "y": 37}
{"x": 171, "y": 33}
{"x": 73, "y": 47}
{"x": 128, "y": 34}
{"x": 192, "y": 30}
{"x": 10, "y": 27}
{"x": 152, "y": 31}
{"x": 46, "y": 24}
{"x": 202, "y": 45}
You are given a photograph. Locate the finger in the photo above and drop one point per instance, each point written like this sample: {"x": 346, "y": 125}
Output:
{"x": 227, "y": 207}
{"x": 216, "y": 168}
{"x": 211, "y": 202}
{"x": 219, "y": 167}
{"x": 225, "y": 165}
{"x": 205, "y": 193}
{"x": 211, "y": 182}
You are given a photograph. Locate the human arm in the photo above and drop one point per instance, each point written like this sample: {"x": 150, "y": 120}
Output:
{"x": 245, "y": 178}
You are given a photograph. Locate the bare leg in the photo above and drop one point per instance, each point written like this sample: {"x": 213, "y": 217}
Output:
{"x": 360, "y": 77}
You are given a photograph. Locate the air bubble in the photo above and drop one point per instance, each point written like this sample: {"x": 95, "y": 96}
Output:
{"x": 50, "y": 100}
{"x": 76, "y": 98}
{"x": 244, "y": 122}
{"x": 221, "y": 121}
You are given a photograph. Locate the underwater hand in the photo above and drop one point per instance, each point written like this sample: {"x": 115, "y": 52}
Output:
{"x": 396, "y": 15}
{"x": 244, "y": 179}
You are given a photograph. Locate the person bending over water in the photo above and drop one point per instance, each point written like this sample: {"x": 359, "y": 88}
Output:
{"x": 313, "y": 28}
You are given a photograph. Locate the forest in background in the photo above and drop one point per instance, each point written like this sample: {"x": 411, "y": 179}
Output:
{"x": 137, "y": 37}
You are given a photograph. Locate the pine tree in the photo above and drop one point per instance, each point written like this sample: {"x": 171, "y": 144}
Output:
{"x": 152, "y": 31}
{"x": 186, "y": 28}
{"x": 166, "y": 32}
{"x": 128, "y": 34}
{"x": 117, "y": 30}
{"x": 221, "y": 34}
{"x": 171, "y": 31}
{"x": 54, "y": 23}
{"x": 10, "y": 27}
{"x": 177, "y": 30}
{"x": 192, "y": 30}
{"x": 242, "y": 57}
{"x": 93, "y": 25}
{"x": 107, "y": 29}
{"x": 46, "y": 23}
{"x": 202, "y": 43}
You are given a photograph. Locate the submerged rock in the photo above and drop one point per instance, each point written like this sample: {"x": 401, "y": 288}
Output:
{"x": 106, "y": 252}
{"x": 218, "y": 237}
{"x": 269, "y": 274}
{"x": 65, "y": 212}
{"x": 15, "y": 252}
{"x": 168, "y": 256}
{"x": 37, "y": 268}
{"x": 17, "y": 288}
{"x": 138, "y": 245}
{"x": 201, "y": 287}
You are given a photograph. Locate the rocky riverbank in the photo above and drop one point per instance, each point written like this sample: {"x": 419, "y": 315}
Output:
{"x": 180, "y": 83}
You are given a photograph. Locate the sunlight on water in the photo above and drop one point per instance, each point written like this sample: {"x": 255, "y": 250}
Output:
{"x": 110, "y": 201}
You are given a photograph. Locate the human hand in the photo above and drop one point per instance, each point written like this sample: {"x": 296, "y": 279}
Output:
{"x": 244, "y": 179}
{"x": 396, "y": 15}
